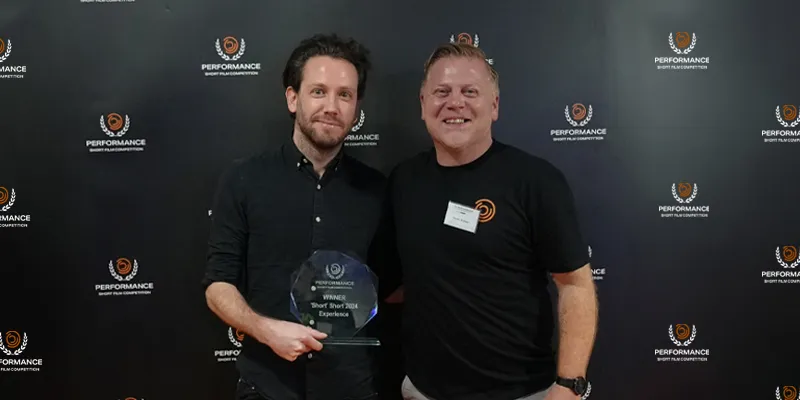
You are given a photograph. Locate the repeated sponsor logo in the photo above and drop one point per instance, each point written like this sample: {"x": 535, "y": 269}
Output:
{"x": 13, "y": 345}
{"x": 598, "y": 271}
{"x": 467, "y": 38}
{"x": 785, "y": 267}
{"x": 7, "y": 70}
{"x": 788, "y": 118}
{"x": 231, "y": 50}
{"x": 124, "y": 270}
{"x": 682, "y": 44}
{"x": 684, "y": 194}
{"x": 359, "y": 137}
{"x": 115, "y": 126}
{"x": 578, "y": 117}
{"x": 235, "y": 337}
{"x": 8, "y": 198}
{"x": 682, "y": 336}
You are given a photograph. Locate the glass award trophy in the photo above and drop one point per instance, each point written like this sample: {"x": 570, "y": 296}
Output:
{"x": 335, "y": 294}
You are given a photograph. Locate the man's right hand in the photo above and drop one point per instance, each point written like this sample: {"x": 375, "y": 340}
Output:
{"x": 288, "y": 340}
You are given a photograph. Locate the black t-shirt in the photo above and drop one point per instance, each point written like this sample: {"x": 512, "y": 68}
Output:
{"x": 478, "y": 320}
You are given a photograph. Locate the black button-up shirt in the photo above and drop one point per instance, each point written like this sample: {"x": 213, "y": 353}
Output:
{"x": 271, "y": 212}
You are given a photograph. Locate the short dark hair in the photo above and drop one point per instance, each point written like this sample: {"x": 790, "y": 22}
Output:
{"x": 332, "y": 46}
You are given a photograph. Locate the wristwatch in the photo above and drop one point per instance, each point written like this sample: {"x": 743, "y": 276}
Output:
{"x": 577, "y": 385}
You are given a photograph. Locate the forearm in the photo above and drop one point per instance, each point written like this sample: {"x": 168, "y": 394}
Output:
{"x": 577, "y": 312}
{"x": 226, "y": 302}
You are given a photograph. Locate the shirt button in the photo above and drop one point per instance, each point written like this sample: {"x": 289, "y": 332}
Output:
{"x": 310, "y": 356}
{"x": 319, "y": 187}
{"x": 298, "y": 165}
{"x": 305, "y": 161}
{"x": 317, "y": 219}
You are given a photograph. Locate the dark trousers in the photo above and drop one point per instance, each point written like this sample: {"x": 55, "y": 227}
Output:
{"x": 246, "y": 391}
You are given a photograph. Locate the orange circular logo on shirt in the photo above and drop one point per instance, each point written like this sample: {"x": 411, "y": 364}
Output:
{"x": 486, "y": 207}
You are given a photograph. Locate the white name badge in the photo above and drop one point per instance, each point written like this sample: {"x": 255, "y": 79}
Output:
{"x": 461, "y": 217}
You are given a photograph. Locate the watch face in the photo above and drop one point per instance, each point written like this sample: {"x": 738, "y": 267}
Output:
{"x": 580, "y": 386}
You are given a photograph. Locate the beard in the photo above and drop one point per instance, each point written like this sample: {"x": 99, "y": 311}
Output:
{"x": 322, "y": 138}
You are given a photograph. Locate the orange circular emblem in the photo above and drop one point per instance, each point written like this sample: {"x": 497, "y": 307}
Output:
{"x": 115, "y": 121}
{"x": 2, "y": 46}
{"x": 789, "y": 393}
{"x": 123, "y": 266}
{"x": 682, "y": 331}
{"x": 464, "y": 38}
{"x": 789, "y": 253}
{"x": 13, "y": 339}
{"x": 486, "y": 207}
{"x": 683, "y": 39}
{"x": 578, "y": 111}
{"x": 3, "y": 195}
{"x": 239, "y": 335}
{"x": 684, "y": 189}
{"x": 789, "y": 112}
{"x": 231, "y": 45}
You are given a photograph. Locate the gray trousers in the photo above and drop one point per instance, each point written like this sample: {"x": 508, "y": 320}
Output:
{"x": 410, "y": 392}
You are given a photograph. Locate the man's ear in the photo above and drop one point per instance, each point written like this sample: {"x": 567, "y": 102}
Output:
{"x": 291, "y": 99}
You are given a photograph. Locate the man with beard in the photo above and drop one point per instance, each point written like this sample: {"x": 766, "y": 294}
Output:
{"x": 273, "y": 210}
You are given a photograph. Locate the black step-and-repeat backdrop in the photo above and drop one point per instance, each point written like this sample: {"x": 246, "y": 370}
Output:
{"x": 676, "y": 123}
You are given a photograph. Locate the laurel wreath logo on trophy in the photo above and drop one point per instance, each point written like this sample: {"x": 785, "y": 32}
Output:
{"x": 12, "y": 340}
{"x": 124, "y": 271}
{"x": 788, "y": 255}
{"x": 230, "y": 50}
{"x": 580, "y": 116}
{"x": 335, "y": 271}
{"x": 5, "y": 200}
{"x": 788, "y": 118}
{"x": 788, "y": 393}
{"x": 682, "y": 335}
{"x": 686, "y": 192}
{"x": 114, "y": 126}
{"x": 684, "y": 44}
{"x": 235, "y": 338}
{"x": 5, "y": 50}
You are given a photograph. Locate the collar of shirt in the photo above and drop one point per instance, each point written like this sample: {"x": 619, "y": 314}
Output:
{"x": 296, "y": 159}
